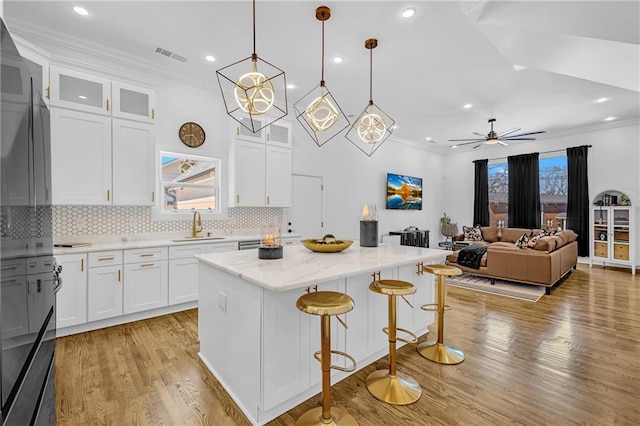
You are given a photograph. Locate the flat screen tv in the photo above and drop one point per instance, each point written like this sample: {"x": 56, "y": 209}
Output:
{"x": 404, "y": 192}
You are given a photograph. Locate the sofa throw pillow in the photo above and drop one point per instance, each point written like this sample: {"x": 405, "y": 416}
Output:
{"x": 523, "y": 241}
{"x": 533, "y": 239}
{"x": 472, "y": 233}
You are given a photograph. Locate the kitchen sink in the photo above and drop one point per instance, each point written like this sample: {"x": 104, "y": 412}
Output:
{"x": 187, "y": 239}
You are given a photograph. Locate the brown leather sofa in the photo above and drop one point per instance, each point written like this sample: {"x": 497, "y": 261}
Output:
{"x": 544, "y": 264}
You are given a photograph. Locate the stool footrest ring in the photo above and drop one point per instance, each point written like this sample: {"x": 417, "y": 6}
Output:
{"x": 414, "y": 338}
{"x": 433, "y": 307}
{"x": 318, "y": 357}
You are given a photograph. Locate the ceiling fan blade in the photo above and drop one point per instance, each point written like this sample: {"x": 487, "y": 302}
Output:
{"x": 515, "y": 129}
{"x": 466, "y": 143}
{"x": 480, "y": 144}
{"x": 519, "y": 139}
{"x": 465, "y": 140}
{"x": 479, "y": 134}
{"x": 502, "y": 143}
{"x": 526, "y": 134}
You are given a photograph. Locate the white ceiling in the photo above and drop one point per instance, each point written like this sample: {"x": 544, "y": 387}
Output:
{"x": 425, "y": 68}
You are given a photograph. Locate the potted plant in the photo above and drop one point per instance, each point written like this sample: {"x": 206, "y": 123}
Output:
{"x": 447, "y": 228}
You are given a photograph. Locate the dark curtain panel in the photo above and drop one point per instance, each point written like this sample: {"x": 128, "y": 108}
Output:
{"x": 578, "y": 196}
{"x": 524, "y": 191}
{"x": 481, "y": 194}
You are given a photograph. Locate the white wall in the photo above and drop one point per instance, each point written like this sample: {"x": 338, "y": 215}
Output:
{"x": 351, "y": 178}
{"x": 613, "y": 164}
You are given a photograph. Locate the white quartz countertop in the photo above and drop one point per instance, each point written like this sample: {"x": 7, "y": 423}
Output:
{"x": 300, "y": 267}
{"x": 159, "y": 242}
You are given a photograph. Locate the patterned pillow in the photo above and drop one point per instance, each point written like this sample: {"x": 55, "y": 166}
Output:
{"x": 523, "y": 241}
{"x": 533, "y": 239}
{"x": 472, "y": 234}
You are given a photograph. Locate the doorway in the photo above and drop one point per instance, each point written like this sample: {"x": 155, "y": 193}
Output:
{"x": 305, "y": 214}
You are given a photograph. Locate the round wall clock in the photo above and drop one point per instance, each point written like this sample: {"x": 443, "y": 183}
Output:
{"x": 191, "y": 134}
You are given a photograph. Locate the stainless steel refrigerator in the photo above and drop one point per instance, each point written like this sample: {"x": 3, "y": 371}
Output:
{"x": 28, "y": 270}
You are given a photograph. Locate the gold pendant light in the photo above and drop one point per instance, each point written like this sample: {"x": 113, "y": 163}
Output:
{"x": 373, "y": 126}
{"x": 255, "y": 91}
{"x": 318, "y": 111}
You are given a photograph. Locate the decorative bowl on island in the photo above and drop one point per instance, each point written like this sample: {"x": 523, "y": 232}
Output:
{"x": 327, "y": 244}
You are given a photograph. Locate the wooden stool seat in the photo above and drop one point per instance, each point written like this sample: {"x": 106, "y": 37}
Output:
{"x": 438, "y": 351}
{"x": 327, "y": 304}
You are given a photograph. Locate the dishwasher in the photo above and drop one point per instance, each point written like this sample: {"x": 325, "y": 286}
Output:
{"x": 248, "y": 245}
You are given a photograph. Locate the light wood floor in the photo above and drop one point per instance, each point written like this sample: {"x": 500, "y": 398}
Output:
{"x": 571, "y": 358}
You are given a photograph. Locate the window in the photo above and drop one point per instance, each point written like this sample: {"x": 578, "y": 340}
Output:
{"x": 189, "y": 183}
{"x": 553, "y": 192}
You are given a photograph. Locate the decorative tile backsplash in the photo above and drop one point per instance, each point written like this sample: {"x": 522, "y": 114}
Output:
{"x": 71, "y": 221}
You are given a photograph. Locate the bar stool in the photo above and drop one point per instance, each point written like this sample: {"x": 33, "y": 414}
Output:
{"x": 438, "y": 351}
{"x": 388, "y": 385}
{"x": 326, "y": 304}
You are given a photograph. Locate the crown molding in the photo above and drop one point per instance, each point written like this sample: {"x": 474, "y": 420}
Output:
{"x": 418, "y": 145}
{"x": 33, "y": 35}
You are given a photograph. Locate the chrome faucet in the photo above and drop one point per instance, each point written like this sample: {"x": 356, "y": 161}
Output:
{"x": 197, "y": 224}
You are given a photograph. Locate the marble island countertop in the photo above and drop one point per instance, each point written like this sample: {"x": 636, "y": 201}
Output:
{"x": 300, "y": 267}
{"x": 99, "y": 244}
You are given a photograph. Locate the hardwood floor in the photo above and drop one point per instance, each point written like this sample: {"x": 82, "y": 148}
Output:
{"x": 571, "y": 358}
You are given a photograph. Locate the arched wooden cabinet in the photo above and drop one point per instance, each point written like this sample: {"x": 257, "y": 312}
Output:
{"x": 613, "y": 231}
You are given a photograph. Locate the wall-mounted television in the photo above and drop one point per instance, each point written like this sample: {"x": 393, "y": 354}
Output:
{"x": 404, "y": 192}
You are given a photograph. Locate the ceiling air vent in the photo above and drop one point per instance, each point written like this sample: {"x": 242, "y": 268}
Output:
{"x": 170, "y": 54}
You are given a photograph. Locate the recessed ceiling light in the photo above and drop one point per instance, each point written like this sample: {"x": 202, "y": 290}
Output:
{"x": 609, "y": 118}
{"x": 601, "y": 100}
{"x": 291, "y": 86}
{"x": 80, "y": 11}
{"x": 428, "y": 138}
{"x": 338, "y": 59}
{"x": 467, "y": 106}
{"x": 210, "y": 58}
{"x": 82, "y": 97}
{"x": 408, "y": 13}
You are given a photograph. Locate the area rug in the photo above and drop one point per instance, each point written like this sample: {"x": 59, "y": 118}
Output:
{"x": 527, "y": 292}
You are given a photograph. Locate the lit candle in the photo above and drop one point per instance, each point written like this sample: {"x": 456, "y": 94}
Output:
{"x": 365, "y": 212}
{"x": 269, "y": 240}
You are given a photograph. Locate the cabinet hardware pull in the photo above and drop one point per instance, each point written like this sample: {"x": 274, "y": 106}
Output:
{"x": 81, "y": 264}
{"x": 142, "y": 265}
{"x": 237, "y": 131}
{"x": 108, "y": 195}
{"x": 238, "y": 198}
{"x": 153, "y": 196}
{"x": 146, "y": 255}
{"x": 49, "y": 92}
{"x": 153, "y": 113}
{"x": 106, "y": 258}
{"x": 268, "y": 136}
{"x": 119, "y": 275}
{"x": 107, "y": 104}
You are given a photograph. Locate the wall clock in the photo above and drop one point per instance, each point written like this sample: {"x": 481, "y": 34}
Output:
{"x": 191, "y": 134}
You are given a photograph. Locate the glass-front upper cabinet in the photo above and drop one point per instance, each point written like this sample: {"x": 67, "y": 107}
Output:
{"x": 80, "y": 91}
{"x": 242, "y": 131}
{"x": 279, "y": 134}
{"x": 133, "y": 103}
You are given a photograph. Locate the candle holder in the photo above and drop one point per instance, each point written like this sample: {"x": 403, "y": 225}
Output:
{"x": 270, "y": 243}
{"x": 369, "y": 226}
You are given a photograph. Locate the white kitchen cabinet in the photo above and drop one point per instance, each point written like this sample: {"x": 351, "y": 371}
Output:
{"x": 71, "y": 300}
{"x": 146, "y": 283}
{"x": 133, "y": 102}
{"x": 279, "y": 134}
{"x": 183, "y": 273}
{"x": 222, "y": 247}
{"x": 612, "y": 236}
{"x": 80, "y": 157}
{"x": 80, "y": 91}
{"x": 245, "y": 134}
{"x": 104, "y": 292}
{"x": 134, "y": 176}
{"x": 278, "y": 177}
{"x": 260, "y": 175}
{"x": 41, "y": 60}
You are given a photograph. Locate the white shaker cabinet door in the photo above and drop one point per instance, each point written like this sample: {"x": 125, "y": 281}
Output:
{"x": 249, "y": 172}
{"x": 71, "y": 299}
{"x": 133, "y": 163}
{"x": 80, "y": 157}
{"x": 183, "y": 280}
{"x": 104, "y": 292}
{"x": 133, "y": 102}
{"x": 80, "y": 91}
{"x": 278, "y": 177}
{"x": 146, "y": 286}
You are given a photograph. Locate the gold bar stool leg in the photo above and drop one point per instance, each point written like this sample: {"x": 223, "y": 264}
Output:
{"x": 438, "y": 351}
{"x": 388, "y": 385}
{"x": 325, "y": 304}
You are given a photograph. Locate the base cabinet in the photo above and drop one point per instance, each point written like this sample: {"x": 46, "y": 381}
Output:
{"x": 145, "y": 286}
{"x": 104, "y": 293}
{"x": 71, "y": 300}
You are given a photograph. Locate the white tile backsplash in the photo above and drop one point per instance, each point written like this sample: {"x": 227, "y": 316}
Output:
{"x": 71, "y": 221}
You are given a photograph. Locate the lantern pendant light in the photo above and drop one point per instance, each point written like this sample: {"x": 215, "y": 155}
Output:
{"x": 317, "y": 111}
{"x": 373, "y": 126}
{"x": 253, "y": 90}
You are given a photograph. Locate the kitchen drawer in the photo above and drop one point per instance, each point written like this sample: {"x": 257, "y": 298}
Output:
{"x": 181, "y": 252}
{"x": 105, "y": 258}
{"x": 146, "y": 254}
{"x": 13, "y": 268}
{"x": 621, "y": 252}
{"x": 222, "y": 247}
{"x": 601, "y": 250}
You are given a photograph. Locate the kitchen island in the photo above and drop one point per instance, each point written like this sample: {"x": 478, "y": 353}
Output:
{"x": 260, "y": 346}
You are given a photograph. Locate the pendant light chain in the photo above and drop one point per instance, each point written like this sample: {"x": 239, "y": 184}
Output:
{"x": 370, "y": 76}
{"x": 322, "y": 76}
{"x": 254, "y": 29}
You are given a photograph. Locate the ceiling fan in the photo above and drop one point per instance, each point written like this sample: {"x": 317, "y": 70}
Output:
{"x": 492, "y": 137}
